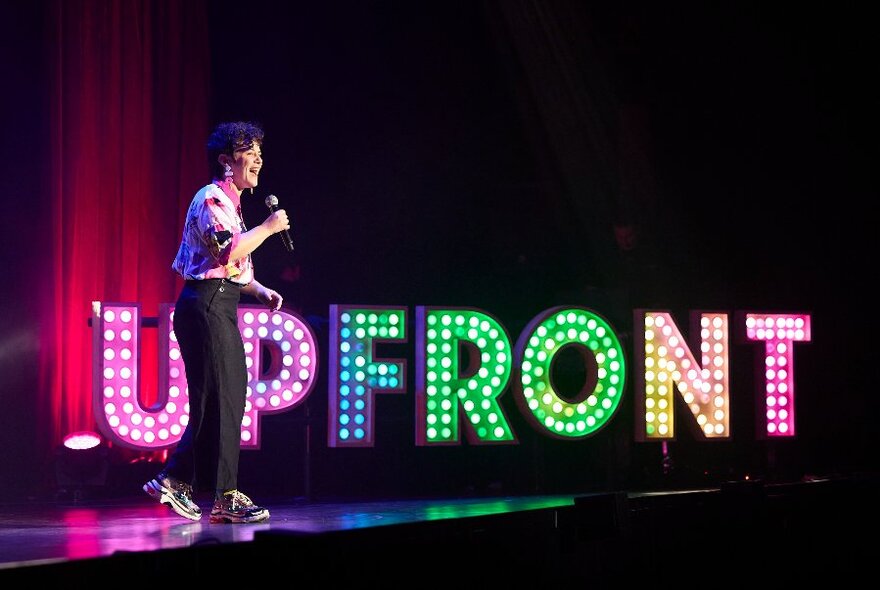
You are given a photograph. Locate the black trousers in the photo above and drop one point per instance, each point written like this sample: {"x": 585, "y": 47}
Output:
{"x": 206, "y": 325}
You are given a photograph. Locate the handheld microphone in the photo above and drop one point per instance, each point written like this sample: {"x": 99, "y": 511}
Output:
{"x": 272, "y": 204}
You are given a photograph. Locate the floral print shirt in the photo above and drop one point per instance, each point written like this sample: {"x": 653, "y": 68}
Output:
{"x": 212, "y": 230}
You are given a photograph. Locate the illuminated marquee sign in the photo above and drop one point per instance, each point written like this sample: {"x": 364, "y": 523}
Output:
{"x": 289, "y": 378}
{"x": 464, "y": 362}
{"x": 668, "y": 366}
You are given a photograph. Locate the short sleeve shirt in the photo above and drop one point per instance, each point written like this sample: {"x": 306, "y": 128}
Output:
{"x": 212, "y": 229}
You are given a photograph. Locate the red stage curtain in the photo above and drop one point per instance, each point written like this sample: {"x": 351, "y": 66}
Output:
{"x": 129, "y": 117}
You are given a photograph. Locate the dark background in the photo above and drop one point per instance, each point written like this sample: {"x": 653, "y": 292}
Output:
{"x": 422, "y": 165}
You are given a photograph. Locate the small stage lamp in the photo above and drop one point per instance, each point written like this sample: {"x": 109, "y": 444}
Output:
{"x": 81, "y": 465}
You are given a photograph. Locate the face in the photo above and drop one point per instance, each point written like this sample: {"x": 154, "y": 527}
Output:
{"x": 246, "y": 164}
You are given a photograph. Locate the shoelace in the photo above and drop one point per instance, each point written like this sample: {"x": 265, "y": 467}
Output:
{"x": 180, "y": 487}
{"x": 240, "y": 498}
{"x": 183, "y": 488}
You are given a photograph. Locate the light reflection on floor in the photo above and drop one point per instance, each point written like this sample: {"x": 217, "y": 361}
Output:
{"x": 43, "y": 533}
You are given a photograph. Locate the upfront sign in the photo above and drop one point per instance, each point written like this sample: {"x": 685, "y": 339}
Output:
{"x": 464, "y": 362}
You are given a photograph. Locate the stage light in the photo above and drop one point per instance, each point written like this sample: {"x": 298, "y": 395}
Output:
{"x": 81, "y": 441}
{"x": 81, "y": 466}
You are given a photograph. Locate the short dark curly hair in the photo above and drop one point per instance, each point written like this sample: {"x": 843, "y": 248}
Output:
{"x": 229, "y": 137}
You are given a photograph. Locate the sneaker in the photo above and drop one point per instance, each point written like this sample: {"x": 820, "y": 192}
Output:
{"x": 234, "y": 506}
{"x": 176, "y": 494}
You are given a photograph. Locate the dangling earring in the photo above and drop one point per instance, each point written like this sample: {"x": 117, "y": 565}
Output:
{"x": 227, "y": 172}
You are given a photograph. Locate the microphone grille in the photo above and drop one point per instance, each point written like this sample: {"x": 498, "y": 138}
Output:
{"x": 271, "y": 201}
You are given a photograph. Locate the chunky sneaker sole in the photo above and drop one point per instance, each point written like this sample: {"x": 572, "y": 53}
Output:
{"x": 239, "y": 516}
{"x": 235, "y": 507}
{"x": 167, "y": 496}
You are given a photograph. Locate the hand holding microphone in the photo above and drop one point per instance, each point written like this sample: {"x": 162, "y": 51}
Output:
{"x": 279, "y": 219}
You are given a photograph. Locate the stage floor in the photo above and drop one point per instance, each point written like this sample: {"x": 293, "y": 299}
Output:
{"x": 38, "y": 534}
{"x": 745, "y": 530}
